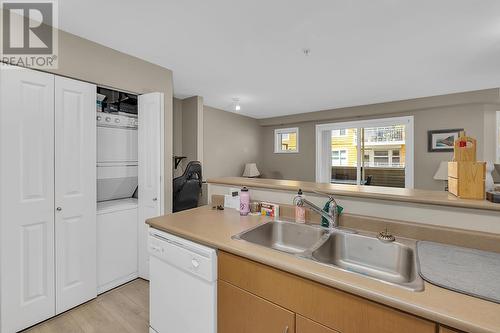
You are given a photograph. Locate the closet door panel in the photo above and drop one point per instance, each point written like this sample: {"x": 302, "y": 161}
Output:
{"x": 150, "y": 137}
{"x": 75, "y": 193}
{"x": 26, "y": 197}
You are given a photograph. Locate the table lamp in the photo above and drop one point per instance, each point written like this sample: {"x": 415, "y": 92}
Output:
{"x": 251, "y": 170}
{"x": 442, "y": 173}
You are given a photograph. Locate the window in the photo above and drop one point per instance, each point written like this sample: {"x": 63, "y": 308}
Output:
{"x": 339, "y": 157}
{"x": 396, "y": 159}
{"x": 381, "y": 157}
{"x": 377, "y": 149}
{"x": 286, "y": 140}
{"x": 367, "y": 157}
{"x": 339, "y": 132}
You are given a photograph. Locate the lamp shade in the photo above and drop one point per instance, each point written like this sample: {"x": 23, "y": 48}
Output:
{"x": 251, "y": 170}
{"x": 442, "y": 171}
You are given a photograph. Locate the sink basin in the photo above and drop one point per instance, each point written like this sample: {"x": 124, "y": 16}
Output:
{"x": 394, "y": 263}
{"x": 285, "y": 236}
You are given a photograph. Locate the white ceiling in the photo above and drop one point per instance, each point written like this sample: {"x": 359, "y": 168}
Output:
{"x": 362, "y": 51}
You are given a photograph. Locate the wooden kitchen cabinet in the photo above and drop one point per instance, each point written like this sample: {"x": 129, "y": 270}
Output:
{"x": 242, "y": 312}
{"x": 304, "y": 325}
{"x": 331, "y": 308}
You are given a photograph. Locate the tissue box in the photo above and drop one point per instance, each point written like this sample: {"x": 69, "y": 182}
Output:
{"x": 493, "y": 197}
{"x": 269, "y": 209}
{"x": 231, "y": 201}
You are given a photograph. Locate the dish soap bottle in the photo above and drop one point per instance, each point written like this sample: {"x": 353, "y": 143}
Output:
{"x": 244, "y": 202}
{"x": 300, "y": 211}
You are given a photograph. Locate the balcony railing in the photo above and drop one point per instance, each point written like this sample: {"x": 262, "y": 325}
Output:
{"x": 392, "y": 177}
{"x": 379, "y": 135}
{"x": 383, "y": 164}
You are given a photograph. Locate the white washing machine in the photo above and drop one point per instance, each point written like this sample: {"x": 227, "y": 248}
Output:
{"x": 116, "y": 243}
{"x": 117, "y": 212}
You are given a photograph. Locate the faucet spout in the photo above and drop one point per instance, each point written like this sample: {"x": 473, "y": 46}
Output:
{"x": 331, "y": 216}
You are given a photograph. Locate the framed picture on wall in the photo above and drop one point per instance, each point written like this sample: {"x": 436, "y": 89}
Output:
{"x": 442, "y": 140}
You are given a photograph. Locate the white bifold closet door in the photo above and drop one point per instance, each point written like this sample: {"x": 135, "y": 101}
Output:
{"x": 47, "y": 196}
{"x": 151, "y": 197}
{"x": 26, "y": 198}
{"x": 75, "y": 193}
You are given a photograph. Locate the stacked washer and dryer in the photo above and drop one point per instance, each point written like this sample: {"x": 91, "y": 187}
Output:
{"x": 117, "y": 191}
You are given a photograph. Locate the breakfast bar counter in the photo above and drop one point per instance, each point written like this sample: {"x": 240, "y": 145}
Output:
{"x": 438, "y": 198}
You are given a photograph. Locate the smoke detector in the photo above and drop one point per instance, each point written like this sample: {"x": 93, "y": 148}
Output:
{"x": 236, "y": 102}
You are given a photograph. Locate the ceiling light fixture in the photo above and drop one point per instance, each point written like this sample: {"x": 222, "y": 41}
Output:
{"x": 237, "y": 106}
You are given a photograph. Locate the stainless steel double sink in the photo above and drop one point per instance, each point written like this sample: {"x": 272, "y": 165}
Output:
{"x": 394, "y": 263}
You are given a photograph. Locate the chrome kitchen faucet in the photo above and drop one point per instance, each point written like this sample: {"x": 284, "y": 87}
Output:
{"x": 331, "y": 216}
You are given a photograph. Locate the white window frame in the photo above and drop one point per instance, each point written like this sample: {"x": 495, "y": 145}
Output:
{"x": 323, "y": 146}
{"x": 498, "y": 137}
{"x": 340, "y": 159}
{"x": 277, "y": 142}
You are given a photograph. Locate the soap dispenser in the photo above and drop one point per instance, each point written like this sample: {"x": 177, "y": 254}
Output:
{"x": 300, "y": 211}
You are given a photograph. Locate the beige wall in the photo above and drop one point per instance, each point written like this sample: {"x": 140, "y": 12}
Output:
{"x": 88, "y": 61}
{"x": 444, "y": 112}
{"x": 230, "y": 141}
{"x": 192, "y": 129}
{"x": 177, "y": 134}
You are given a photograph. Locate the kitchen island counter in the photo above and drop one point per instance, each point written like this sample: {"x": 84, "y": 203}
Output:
{"x": 216, "y": 228}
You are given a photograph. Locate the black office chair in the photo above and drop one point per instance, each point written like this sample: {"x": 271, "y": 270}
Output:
{"x": 187, "y": 188}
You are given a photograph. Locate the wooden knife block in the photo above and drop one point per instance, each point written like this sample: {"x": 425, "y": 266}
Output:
{"x": 467, "y": 179}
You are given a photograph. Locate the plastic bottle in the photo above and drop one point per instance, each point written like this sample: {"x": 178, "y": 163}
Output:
{"x": 300, "y": 211}
{"x": 244, "y": 202}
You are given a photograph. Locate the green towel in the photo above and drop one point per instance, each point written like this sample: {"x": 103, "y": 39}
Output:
{"x": 324, "y": 222}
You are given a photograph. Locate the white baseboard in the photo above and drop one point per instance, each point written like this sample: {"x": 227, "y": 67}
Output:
{"x": 116, "y": 283}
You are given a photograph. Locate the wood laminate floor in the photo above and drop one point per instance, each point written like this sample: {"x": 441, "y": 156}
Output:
{"x": 121, "y": 310}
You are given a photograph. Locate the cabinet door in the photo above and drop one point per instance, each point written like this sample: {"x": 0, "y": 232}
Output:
{"x": 151, "y": 138}
{"x": 75, "y": 192}
{"x": 304, "y": 325}
{"x": 328, "y": 306}
{"x": 26, "y": 197}
{"x": 242, "y": 312}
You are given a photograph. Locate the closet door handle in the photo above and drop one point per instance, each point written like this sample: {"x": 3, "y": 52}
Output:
{"x": 155, "y": 199}
{"x": 59, "y": 209}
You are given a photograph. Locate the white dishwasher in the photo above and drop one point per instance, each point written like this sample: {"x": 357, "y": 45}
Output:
{"x": 183, "y": 285}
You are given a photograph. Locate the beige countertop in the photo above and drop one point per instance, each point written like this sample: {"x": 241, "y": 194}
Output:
{"x": 440, "y": 198}
{"x": 215, "y": 228}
